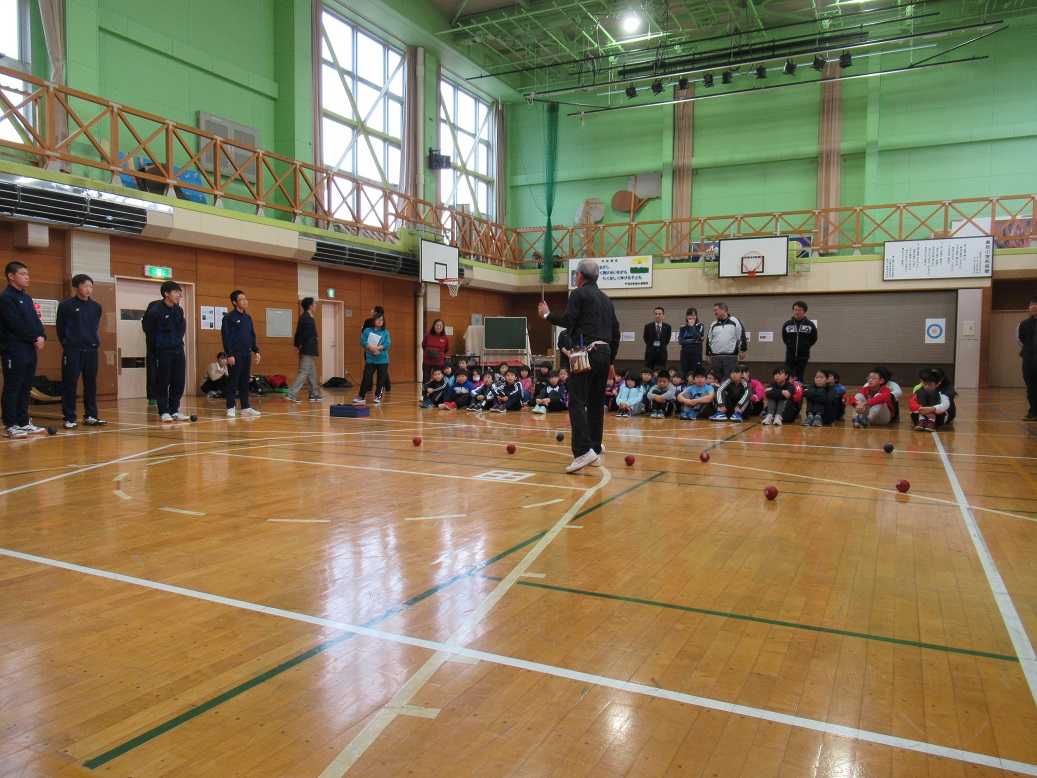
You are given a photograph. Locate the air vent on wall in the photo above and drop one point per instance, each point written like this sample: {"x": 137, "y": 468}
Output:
{"x": 68, "y": 206}
{"x": 362, "y": 258}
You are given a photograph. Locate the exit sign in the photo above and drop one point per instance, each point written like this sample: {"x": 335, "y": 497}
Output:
{"x": 154, "y": 271}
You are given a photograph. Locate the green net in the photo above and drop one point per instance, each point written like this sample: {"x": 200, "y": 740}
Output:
{"x": 547, "y": 273}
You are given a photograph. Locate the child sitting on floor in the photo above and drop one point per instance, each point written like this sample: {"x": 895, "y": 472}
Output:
{"x": 482, "y": 397}
{"x": 434, "y": 392}
{"x": 659, "y": 399}
{"x": 928, "y": 404}
{"x": 697, "y": 399}
{"x": 553, "y": 396}
{"x": 508, "y": 397}
{"x": 630, "y": 398}
{"x": 873, "y": 403}
{"x": 733, "y": 396}
{"x": 460, "y": 394}
{"x": 821, "y": 401}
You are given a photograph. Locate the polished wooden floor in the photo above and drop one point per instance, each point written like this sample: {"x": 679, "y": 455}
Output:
{"x": 297, "y": 595}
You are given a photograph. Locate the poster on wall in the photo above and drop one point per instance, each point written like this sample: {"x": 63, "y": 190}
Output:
{"x": 618, "y": 272}
{"x": 906, "y": 260}
{"x": 47, "y": 310}
{"x": 935, "y": 330}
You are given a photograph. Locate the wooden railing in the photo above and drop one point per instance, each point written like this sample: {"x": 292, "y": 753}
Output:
{"x": 50, "y": 126}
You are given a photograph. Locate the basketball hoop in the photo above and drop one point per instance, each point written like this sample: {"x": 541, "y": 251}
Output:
{"x": 453, "y": 284}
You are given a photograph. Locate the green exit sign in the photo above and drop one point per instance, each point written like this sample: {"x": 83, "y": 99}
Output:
{"x": 154, "y": 271}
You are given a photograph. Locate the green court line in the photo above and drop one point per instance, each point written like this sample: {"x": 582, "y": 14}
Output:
{"x": 273, "y": 672}
{"x": 772, "y": 622}
{"x": 626, "y": 491}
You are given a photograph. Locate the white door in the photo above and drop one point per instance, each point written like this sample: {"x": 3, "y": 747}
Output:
{"x": 331, "y": 354}
{"x": 132, "y": 297}
{"x": 1006, "y": 368}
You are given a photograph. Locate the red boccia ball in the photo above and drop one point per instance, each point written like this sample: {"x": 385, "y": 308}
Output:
{"x": 903, "y": 485}
{"x": 704, "y": 456}
{"x": 629, "y": 459}
{"x": 416, "y": 441}
{"x": 770, "y": 492}
{"x": 511, "y": 448}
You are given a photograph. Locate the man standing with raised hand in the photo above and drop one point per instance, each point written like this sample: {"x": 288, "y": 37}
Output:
{"x": 239, "y": 341}
{"x": 21, "y": 338}
{"x": 591, "y": 318}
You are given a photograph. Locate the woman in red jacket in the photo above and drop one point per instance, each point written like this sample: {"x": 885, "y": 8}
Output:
{"x": 434, "y": 348}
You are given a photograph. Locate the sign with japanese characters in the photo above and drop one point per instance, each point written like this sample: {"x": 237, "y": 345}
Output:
{"x": 618, "y": 272}
{"x": 907, "y": 260}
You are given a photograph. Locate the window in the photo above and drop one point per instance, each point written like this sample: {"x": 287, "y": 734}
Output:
{"x": 466, "y": 127}
{"x": 15, "y": 53}
{"x": 361, "y": 103}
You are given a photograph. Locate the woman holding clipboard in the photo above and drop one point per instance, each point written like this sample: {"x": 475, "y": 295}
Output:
{"x": 375, "y": 341}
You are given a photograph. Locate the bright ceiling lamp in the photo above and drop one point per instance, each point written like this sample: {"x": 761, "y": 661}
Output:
{"x": 631, "y": 21}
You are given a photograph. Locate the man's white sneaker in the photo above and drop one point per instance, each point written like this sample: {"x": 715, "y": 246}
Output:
{"x": 597, "y": 461}
{"x": 165, "y": 417}
{"x": 180, "y": 416}
{"x": 32, "y": 429}
{"x": 581, "y": 461}
{"x": 15, "y": 432}
{"x": 70, "y": 425}
{"x": 768, "y": 419}
{"x": 250, "y": 412}
{"x": 231, "y": 413}
{"x": 90, "y": 421}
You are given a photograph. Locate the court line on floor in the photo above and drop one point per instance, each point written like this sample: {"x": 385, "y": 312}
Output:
{"x": 771, "y": 622}
{"x": 86, "y": 469}
{"x": 452, "y": 651}
{"x": 1016, "y": 631}
{"x": 359, "y": 744}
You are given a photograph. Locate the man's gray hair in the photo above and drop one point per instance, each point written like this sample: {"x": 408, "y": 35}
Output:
{"x": 588, "y": 268}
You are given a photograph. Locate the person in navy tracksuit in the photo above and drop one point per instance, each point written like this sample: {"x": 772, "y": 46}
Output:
{"x": 239, "y": 341}
{"x": 164, "y": 329}
{"x": 79, "y": 318}
{"x": 21, "y": 338}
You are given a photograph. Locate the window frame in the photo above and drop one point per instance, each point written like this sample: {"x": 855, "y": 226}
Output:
{"x": 481, "y": 135}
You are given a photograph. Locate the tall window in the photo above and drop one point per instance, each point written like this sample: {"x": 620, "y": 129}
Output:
{"x": 362, "y": 102}
{"x": 466, "y": 127}
{"x": 13, "y": 47}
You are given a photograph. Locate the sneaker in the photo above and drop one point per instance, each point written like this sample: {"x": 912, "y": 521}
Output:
{"x": 448, "y": 406}
{"x": 718, "y": 416}
{"x": 777, "y": 420}
{"x": 168, "y": 417}
{"x": 736, "y": 416}
{"x": 377, "y": 399}
{"x": 581, "y": 461}
{"x": 358, "y": 401}
{"x": 693, "y": 414}
{"x": 316, "y": 398}
{"x": 70, "y": 425}
{"x": 817, "y": 422}
{"x": 152, "y": 402}
{"x": 250, "y": 412}
{"x": 920, "y": 426}
{"x": 15, "y": 432}
{"x": 90, "y": 421}
{"x": 686, "y": 415}
{"x": 1030, "y": 417}
{"x": 180, "y": 416}
{"x": 597, "y": 461}
{"x": 501, "y": 409}
{"x": 858, "y": 422}
{"x": 32, "y": 429}
{"x": 425, "y": 404}
{"x": 213, "y": 395}
{"x": 292, "y": 398}
{"x": 768, "y": 419}
{"x": 474, "y": 408}
{"x": 621, "y": 414}
{"x": 808, "y": 421}
{"x": 231, "y": 413}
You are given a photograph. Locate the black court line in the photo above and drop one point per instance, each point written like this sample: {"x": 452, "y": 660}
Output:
{"x": 1029, "y": 430}
{"x": 743, "y": 428}
{"x": 772, "y": 622}
{"x": 273, "y": 672}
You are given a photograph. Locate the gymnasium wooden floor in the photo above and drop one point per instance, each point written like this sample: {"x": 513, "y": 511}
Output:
{"x": 297, "y": 595}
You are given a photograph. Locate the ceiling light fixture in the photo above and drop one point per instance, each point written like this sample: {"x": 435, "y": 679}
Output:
{"x": 761, "y": 72}
{"x": 657, "y": 87}
{"x": 819, "y": 63}
{"x": 707, "y": 80}
{"x": 682, "y": 82}
{"x": 790, "y": 68}
{"x": 631, "y": 21}
{"x": 631, "y": 91}
{"x": 725, "y": 77}
{"x": 845, "y": 60}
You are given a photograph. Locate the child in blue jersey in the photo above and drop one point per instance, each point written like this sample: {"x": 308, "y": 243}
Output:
{"x": 697, "y": 399}
{"x": 482, "y": 397}
{"x": 460, "y": 394}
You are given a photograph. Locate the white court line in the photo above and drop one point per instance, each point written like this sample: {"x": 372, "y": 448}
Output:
{"x": 404, "y": 472}
{"x": 469, "y": 655}
{"x": 85, "y": 469}
{"x": 181, "y": 510}
{"x": 534, "y": 575}
{"x": 542, "y": 504}
{"x": 1014, "y": 625}
{"x": 446, "y": 516}
{"x": 120, "y": 476}
{"x": 121, "y": 494}
{"x": 303, "y": 521}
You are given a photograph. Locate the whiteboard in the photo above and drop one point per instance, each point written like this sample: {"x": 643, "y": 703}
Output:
{"x": 942, "y": 258}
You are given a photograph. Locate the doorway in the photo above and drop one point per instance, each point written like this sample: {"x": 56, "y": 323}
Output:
{"x": 132, "y": 297}
{"x": 332, "y": 361}
{"x": 1006, "y": 368}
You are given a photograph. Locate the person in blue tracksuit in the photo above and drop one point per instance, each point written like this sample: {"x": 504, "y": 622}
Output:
{"x": 165, "y": 326}
{"x": 78, "y": 322}
{"x": 21, "y": 338}
{"x": 239, "y": 341}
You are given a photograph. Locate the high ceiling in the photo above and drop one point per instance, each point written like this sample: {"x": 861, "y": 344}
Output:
{"x": 569, "y": 45}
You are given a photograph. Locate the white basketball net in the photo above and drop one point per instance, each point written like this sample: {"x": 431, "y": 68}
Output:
{"x": 452, "y": 285}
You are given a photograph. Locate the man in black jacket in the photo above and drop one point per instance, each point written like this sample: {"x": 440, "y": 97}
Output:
{"x": 657, "y": 337}
{"x": 591, "y": 318}
{"x": 799, "y": 334}
{"x": 1027, "y": 337}
{"x": 239, "y": 341}
{"x": 21, "y": 338}
{"x": 306, "y": 345}
{"x": 78, "y": 321}
{"x": 164, "y": 329}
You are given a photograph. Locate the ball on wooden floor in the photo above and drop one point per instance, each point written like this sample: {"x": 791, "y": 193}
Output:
{"x": 511, "y": 448}
{"x": 629, "y": 459}
{"x": 903, "y": 485}
{"x": 416, "y": 441}
{"x": 770, "y": 492}
{"x": 194, "y": 417}
{"x": 888, "y": 448}
{"x": 52, "y": 430}
{"x": 559, "y": 437}
{"x": 704, "y": 456}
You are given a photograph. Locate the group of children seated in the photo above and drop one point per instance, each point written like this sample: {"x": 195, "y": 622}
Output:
{"x": 701, "y": 395}
{"x": 508, "y": 388}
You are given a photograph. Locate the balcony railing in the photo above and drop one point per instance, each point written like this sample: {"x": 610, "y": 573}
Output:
{"x": 50, "y": 126}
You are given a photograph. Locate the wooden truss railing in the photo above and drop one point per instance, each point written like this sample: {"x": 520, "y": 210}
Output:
{"x": 50, "y": 126}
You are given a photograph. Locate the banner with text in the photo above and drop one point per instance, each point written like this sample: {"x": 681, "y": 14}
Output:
{"x": 618, "y": 272}
{"x": 906, "y": 260}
